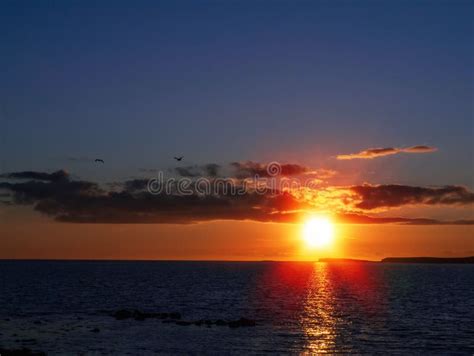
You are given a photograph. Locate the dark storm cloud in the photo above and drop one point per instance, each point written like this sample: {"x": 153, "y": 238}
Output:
{"x": 392, "y": 195}
{"x": 247, "y": 169}
{"x": 371, "y": 153}
{"x": 175, "y": 209}
{"x": 77, "y": 201}
{"x": 240, "y": 170}
{"x": 82, "y": 201}
{"x": 31, "y": 192}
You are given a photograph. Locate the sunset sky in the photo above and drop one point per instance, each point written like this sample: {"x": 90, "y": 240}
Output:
{"x": 368, "y": 105}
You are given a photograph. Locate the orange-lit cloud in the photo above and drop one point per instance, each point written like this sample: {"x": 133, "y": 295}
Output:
{"x": 371, "y": 153}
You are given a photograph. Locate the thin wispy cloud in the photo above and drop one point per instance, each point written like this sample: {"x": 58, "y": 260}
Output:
{"x": 32, "y": 175}
{"x": 372, "y": 153}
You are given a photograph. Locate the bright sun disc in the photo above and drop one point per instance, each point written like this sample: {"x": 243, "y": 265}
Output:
{"x": 318, "y": 232}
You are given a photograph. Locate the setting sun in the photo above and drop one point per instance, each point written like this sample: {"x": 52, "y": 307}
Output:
{"x": 318, "y": 232}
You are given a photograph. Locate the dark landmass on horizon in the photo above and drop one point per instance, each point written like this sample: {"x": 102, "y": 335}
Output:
{"x": 439, "y": 260}
{"x": 469, "y": 259}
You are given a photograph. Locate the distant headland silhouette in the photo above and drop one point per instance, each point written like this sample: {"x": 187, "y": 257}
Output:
{"x": 469, "y": 259}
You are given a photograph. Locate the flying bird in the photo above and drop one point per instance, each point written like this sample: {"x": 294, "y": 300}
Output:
{"x": 98, "y": 160}
{"x": 179, "y": 158}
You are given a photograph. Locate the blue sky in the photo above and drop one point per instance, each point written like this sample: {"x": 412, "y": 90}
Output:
{"x": 221, "y": 81}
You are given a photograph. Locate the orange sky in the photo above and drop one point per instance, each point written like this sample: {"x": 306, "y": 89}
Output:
{"x": 370, "y": 115}
{"x": 30, "y": 234}
{"x": 225, "y": 240}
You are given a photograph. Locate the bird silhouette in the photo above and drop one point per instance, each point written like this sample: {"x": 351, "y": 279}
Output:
{"x": 98, "y": 160}
{"x": 179, "y": 158}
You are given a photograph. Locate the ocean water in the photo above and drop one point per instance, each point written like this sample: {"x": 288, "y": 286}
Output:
{"x": 65, "y": 307}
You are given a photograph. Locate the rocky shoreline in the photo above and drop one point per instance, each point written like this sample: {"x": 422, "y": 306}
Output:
{"x": 175, "y": 318}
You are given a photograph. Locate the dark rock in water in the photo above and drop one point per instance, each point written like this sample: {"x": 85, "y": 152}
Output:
{"x": 175, "y": 318}
{"x": 140, "y": 316}
{"x": 20, "y": 352}
{"x": 123, "y": 314}
{"x": 95, "y": 330}
{"x": 183, "y": 323}
{"x": 242, "y": 322}
{"x": 175, "y": 315}
{"x": 247, "y": 322}
{"x": 26, "y": 341}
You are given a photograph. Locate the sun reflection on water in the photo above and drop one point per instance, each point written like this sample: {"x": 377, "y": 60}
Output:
{"x": 318, "y": 320}
{"x": 323, "y": 307}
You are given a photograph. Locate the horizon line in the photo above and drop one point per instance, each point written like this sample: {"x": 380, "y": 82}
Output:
{"x": 322, "y": 259}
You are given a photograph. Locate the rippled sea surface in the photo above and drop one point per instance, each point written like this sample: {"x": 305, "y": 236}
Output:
{"x": 64, "y": 307}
